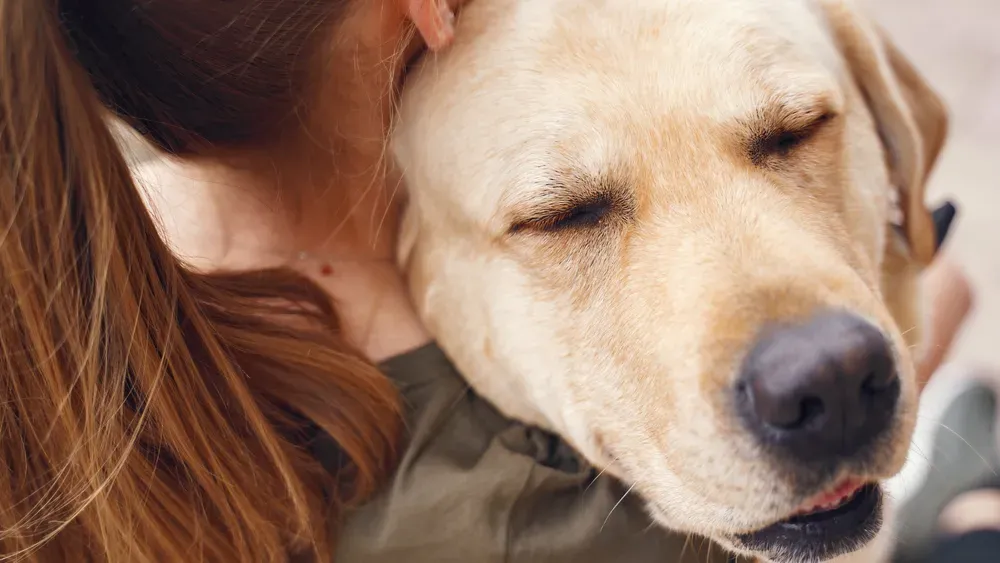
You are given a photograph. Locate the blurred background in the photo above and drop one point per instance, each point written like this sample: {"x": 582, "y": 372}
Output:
{"x": 956, "y": 45}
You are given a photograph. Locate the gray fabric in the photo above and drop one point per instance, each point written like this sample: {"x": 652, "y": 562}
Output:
{"x": 474, "y": 487}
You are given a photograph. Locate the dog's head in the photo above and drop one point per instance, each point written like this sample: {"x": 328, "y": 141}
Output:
{"x": 664, "y": 229}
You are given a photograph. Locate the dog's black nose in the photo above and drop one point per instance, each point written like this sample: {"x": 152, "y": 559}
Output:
{"x": 822, "y": 390}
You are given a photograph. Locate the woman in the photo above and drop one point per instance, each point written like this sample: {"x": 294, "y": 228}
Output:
{"x": 149, "y": 412}
{"x": 219, "y": 407}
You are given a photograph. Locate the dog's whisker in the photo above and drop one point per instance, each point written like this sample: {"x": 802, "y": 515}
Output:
{"x": 687, "y": 541}
{"x": 598, "y": 476}
{"x": 916, "y": 449}
{"x": 617, "y": 504}
{"x": 986, "y": 462}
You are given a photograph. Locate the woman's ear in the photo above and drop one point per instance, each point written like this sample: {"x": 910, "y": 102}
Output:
{"x": 434, "y": 20}
{"x": 910, "y": 117}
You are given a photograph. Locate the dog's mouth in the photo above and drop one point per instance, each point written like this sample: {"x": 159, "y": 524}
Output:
{"x": 841, "y": 520}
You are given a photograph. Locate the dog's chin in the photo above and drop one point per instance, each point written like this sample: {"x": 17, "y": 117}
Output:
{"x": 824, "y": 533}
{"x": 827, "y": 532}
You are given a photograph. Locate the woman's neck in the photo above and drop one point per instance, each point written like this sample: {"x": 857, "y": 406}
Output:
{"x": 330, "y": 202}
{"x": 309, "y": 205}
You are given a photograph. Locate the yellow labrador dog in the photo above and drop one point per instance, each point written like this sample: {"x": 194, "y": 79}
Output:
{"x": 664, "y": 229}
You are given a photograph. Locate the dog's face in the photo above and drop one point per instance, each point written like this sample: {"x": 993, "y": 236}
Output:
{"x": 661, "y": 228}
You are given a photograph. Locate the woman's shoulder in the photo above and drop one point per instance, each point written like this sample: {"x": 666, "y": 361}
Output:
{"x": 211, "y": 215}
{"x": 475, "y": 486}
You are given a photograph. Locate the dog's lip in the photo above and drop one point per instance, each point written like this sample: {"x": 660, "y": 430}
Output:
{"x": 831, "y": 499}
{"x": 843, "y": 507}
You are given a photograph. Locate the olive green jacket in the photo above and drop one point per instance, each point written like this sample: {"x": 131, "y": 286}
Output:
{"x": 475, "y": 487}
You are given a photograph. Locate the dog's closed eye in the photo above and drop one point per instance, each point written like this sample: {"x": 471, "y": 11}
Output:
{"x": 582, "y": 214}
{"x": 781, "y": 138}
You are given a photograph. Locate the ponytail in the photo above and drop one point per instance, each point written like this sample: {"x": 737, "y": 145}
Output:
{"x": 148, "y": 413}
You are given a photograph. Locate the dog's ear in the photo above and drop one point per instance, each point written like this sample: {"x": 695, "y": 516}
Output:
{"x": 910, "y": 117}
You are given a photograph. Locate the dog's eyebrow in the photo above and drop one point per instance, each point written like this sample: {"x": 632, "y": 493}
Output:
{"x": 789, "y": 114}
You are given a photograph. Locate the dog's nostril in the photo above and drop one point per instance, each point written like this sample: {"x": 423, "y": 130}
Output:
{"x": 820, "y": 390}
{"x": 812, "y": 410}
{"x": 743, "y": 394}
{"x": 783, "y": 409}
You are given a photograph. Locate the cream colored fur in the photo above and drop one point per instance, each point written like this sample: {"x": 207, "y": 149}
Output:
{"x": 625, "y": 336}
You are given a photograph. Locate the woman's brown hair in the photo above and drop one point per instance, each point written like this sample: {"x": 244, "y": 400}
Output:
{"x": 147, "y": 412}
